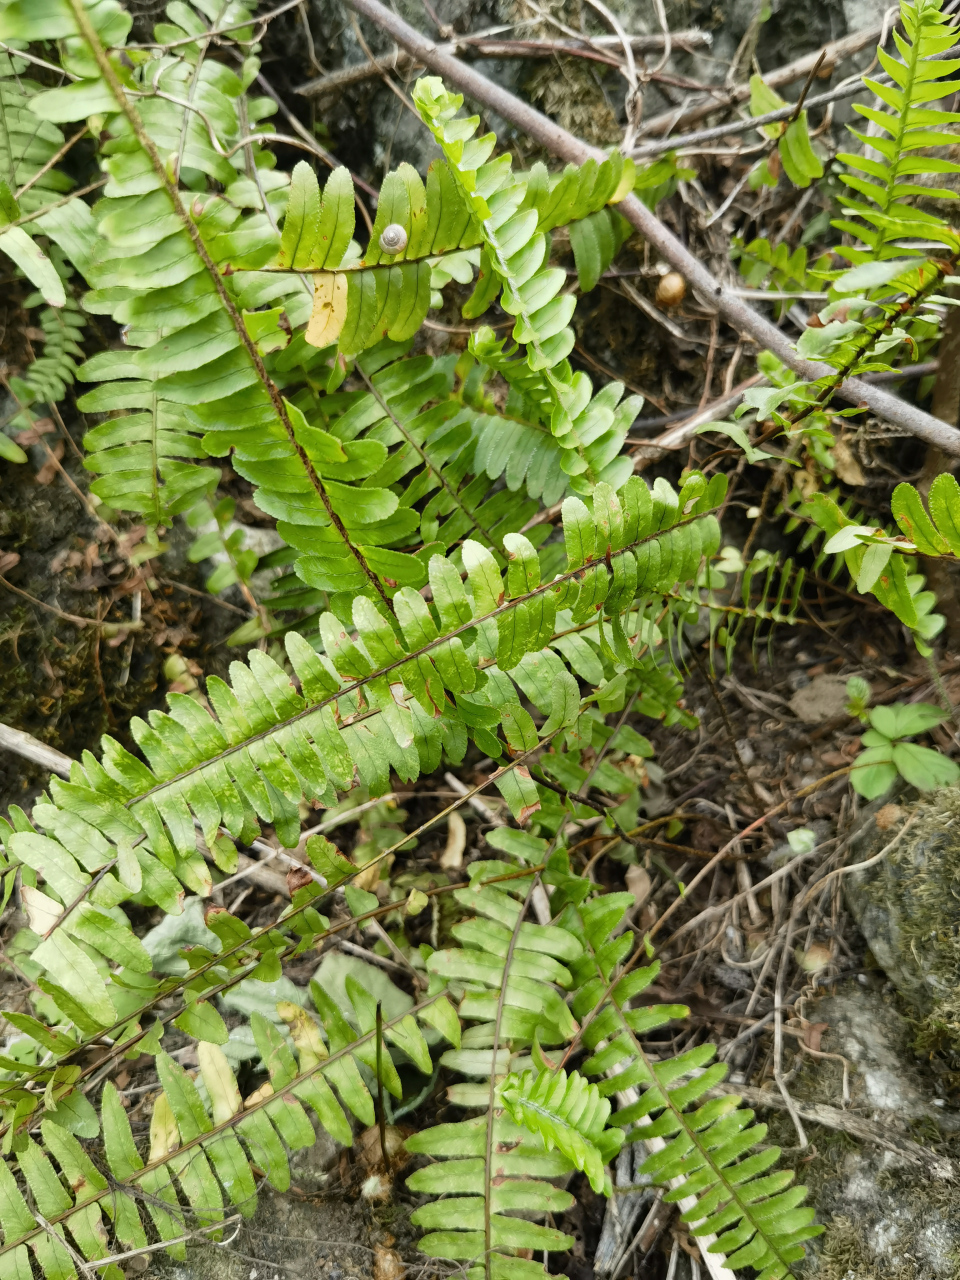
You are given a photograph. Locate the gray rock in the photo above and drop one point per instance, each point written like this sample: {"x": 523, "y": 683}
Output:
{"x": 907, "y": 905}
{"x": 885, "y": 1218}
{"x": 869, "y": 1032}
{"x": 820, "y": 699}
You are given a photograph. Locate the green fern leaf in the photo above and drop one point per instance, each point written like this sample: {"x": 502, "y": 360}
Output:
{"x": 567, "y": 1112}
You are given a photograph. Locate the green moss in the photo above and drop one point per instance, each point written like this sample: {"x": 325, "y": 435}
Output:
{"x": 918, "y": 886}
{"x": 565, "y": 89}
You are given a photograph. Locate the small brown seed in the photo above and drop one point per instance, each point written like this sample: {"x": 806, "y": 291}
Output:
{"x": 671, "y": 290}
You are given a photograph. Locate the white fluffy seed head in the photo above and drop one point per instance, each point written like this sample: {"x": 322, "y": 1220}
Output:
{"x": 393, "y": 239}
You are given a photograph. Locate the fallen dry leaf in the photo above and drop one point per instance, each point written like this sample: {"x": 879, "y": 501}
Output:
{"x": 452, "y": 856}
{"x": 369, "y": 877}
{"x": 298, "y": 878}
{"x": 816, "y": 957}
{"x": 68, "y": 558}
{"x": 813, "y": 1033}
{"x": 42, "y": 427}
{"x": 129, "y": 539}
{"x": 7, "y": 560}
{"x": 848, "y": 468}
{"x": 638, "y": 883}
{"x": 368, "y": 1146}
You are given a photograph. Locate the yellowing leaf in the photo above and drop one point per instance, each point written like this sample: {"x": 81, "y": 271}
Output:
{"x": 42, "y": 912}
{"x": 220, "y": 1081}
{"x": 329, "y": 310}
{"x": 164, "y": 1134}
{"x": 258, "y": 1096}
{"x": 627, "y": 178}
{"x": 416, "y": 902}
{"x": 305, "y": 1034}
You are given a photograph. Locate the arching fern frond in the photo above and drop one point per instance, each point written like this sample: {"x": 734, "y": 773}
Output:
{"x": 568, "y": 1113}
{"x": 386, "y": 694}
{"x": 513, "y": 215}
{"x": 895, "y": 150}
{"x": 696, "y": 1150}
{"x": 703, "y": 1151}
{"x": 202, "y": 1148}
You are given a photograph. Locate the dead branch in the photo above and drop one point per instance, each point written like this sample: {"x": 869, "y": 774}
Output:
{"x": 481, "y": 46}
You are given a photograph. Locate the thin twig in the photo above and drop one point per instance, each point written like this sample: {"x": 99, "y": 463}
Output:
{"x": 69, "y": 617}
{"x": 30, "y": 748}
{"x": 54, "y": 159}
{"x": 485, "y": 45}
{"x": 778, "y": 1030}
{"x": 718, "y": 857}
{"x": 381, "y": 1110}
{"x": 833, "y": 52}
{"x": 203, "y": 595}
{"x": 57, "y": 204}
{"x": 862, "y": 866}
{"x": 262, "y": 20}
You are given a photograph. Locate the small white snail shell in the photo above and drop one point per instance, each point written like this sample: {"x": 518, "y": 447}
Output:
{"x": 393, "y": 239}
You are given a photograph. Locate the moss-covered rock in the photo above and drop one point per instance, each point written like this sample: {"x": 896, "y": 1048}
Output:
{"x": 886, "y": 1217}
{"x": 907, "y": 906}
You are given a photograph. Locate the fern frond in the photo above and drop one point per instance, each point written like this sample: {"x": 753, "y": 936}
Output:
{"x": 567, "y": 1112}
{"x": 391, "y": 696}
{"x": 28, "y": 148}
{"x": 881, "y": 564}
{"x": 51, "y": 373}
{"x": 532, "y": 1010}
{"x": 700, "y": 1152}
{"x": 197, "y": 342}
{"x": 201, "y": 1147}
{"x": 703, "y": 1151}
{"x": 513, "y": 215}
{"x": 900, "y": 134}
{"x": 360, "y": 300}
